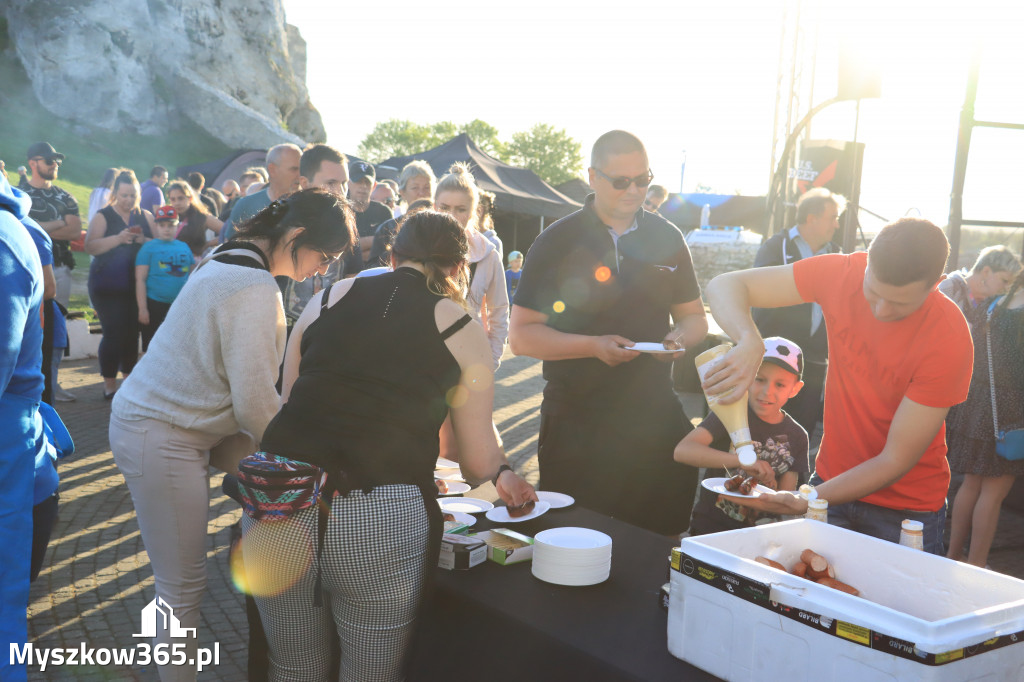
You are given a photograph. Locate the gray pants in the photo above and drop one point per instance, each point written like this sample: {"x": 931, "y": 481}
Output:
{"x": 167, "y": 471}
{"x": 373, "y": 568}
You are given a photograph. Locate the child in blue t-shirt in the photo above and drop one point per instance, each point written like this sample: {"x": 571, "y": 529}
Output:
{"x": 161, "y": 268}
{"x": 780, "y": 442}
{"x": 514, "y": 272}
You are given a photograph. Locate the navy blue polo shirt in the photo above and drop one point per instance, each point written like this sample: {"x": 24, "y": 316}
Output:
{"x": 585, "y": 283}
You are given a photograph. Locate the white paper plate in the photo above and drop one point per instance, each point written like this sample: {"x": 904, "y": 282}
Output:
{"x": 500, "y": 514}
{"x": 649, "y": 347}
{"x": 556, "y": 500}
{"x": 443, "y": 463}
{"x": 570, "y": 579}
{"x": 717, "y": 485}
{"x": 571, "y": 537}
{"x": 466, "y": 505}
{"x": 449, "y": 475}
{"x": 461, "y": 517}
{"x": 456, "y": 488}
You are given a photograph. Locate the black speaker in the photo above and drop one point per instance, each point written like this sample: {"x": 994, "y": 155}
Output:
{"x": 860, "y": 77}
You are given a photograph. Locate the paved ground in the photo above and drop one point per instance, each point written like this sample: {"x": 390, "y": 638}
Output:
{"x": 97, "y": 576}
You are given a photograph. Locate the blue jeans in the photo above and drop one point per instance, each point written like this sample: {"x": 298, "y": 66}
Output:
{"x": 885, "y": 523}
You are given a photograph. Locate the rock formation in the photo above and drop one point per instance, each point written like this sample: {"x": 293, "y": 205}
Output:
{"x": 233, "y": 67}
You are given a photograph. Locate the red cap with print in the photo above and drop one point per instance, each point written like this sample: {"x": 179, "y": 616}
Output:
{"x": 166, "y": 213}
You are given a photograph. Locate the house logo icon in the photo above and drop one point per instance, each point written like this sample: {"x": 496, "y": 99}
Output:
{"x": 158, "y": 615}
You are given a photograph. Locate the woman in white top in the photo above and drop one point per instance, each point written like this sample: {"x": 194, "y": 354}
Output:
{"x": 100, "y": 195}
{"x": 205, "y": 391}
{"x": 458, "y": 195}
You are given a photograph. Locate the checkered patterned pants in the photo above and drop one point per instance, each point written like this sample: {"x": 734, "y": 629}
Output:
{"x": 374, "y": 570}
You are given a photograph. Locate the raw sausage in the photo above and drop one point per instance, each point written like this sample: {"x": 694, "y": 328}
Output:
{"x": 768, "y": 562}
{"x": 799, "y": 569}
{"x": 836, "y": 585}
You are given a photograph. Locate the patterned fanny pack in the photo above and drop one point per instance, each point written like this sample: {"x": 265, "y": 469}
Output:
{"x": 274, "y": 487}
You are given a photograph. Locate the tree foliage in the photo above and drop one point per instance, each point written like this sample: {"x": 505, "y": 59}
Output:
{"x": 552, "y": 154}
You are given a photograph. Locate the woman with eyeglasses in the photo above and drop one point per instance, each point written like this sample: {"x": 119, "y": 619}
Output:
{"x": 360, "y": 415}
{"x": 196, "y": 226}
{"x": 205, "y": 391}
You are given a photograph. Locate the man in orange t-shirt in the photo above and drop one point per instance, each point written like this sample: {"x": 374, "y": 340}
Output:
{"x": 900, "y": 355}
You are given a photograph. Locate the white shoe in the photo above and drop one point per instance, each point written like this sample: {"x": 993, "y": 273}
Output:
{"x": 62, "y": 396}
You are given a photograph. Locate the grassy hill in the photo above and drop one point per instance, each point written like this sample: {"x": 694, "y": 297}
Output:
{"x": 89, "y": 151}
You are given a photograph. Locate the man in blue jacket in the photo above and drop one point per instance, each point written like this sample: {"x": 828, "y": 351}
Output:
{"x": 21, "y": 386}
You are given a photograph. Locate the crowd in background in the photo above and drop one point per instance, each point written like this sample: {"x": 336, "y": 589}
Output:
{"x": 397, "y": 297}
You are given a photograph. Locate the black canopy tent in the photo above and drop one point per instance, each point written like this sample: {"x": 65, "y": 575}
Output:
{"x": 576, "y": 189}
{"x": 519, "y": 193}
{"x": 517, "y": 190}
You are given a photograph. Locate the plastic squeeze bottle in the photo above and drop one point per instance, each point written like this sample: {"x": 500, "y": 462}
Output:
{"x": 734, "y": 415}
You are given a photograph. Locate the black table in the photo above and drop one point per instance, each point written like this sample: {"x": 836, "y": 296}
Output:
{"x": 500, "y": 623}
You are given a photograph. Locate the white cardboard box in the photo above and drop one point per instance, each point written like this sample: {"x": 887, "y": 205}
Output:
{"x": 922, "y": 617}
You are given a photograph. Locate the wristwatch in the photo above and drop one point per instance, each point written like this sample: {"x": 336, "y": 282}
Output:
{"x": 502, "y": 469}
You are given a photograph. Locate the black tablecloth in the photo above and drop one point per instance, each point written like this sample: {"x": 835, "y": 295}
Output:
{"x": 497, "y": 622}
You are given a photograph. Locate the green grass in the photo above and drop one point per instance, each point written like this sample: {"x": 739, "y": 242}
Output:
{"x": 89, "y": 151}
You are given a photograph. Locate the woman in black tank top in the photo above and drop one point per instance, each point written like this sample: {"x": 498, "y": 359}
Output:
{"x": 373, "y": 367}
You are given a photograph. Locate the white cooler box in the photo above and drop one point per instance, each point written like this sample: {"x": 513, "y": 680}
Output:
{"x": 919, "y": 617}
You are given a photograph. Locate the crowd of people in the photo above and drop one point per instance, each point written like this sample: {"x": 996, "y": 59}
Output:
{"x": 322, "y": 337}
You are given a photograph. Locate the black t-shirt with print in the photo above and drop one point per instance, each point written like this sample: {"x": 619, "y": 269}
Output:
{"x": 783, "y": 446}
{"x": 49, "y": 204}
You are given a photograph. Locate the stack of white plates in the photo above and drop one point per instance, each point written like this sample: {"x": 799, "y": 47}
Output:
{"x": 572, "y": 556}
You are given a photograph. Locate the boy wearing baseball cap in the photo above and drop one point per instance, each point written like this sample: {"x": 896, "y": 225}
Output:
{"x": 781, "y": 443}
{"x": 514, "y": 272}
{"x": 161, "y": 268}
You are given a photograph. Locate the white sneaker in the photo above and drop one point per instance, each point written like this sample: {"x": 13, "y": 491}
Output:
{"x": 62, "y": 396}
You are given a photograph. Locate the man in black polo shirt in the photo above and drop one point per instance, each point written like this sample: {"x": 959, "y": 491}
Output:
{"x": 594, "y": 283}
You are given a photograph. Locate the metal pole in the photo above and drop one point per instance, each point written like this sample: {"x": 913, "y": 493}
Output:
{"x": 963, "y": 145}
{"x": 850, "y": 229}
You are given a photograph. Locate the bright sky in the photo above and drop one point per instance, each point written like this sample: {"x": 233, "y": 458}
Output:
{"x": 693, "y": 76}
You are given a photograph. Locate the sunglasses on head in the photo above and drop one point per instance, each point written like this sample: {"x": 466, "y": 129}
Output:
{"x": 623, "y": 182}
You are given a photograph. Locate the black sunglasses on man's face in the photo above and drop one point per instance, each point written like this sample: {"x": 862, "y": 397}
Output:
{"x": 623, "y": 182}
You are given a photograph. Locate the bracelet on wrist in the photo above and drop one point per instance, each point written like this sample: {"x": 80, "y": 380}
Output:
{"x": 502, "y": 469}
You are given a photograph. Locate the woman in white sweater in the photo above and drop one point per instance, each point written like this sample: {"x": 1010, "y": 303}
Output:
{"x": 458, "y": 195}
{"x": 205, "y": 391}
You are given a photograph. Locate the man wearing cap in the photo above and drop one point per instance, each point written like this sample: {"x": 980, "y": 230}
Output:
{"x": 900, "y": 355}
{"x": 593, "y": 284}
{"x": 56, "y": 211}
{"x": 369, "y": 214}
{"x": 283, "y": 168}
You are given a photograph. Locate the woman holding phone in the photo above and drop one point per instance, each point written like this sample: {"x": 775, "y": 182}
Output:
{"x": 115, "y": 234}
